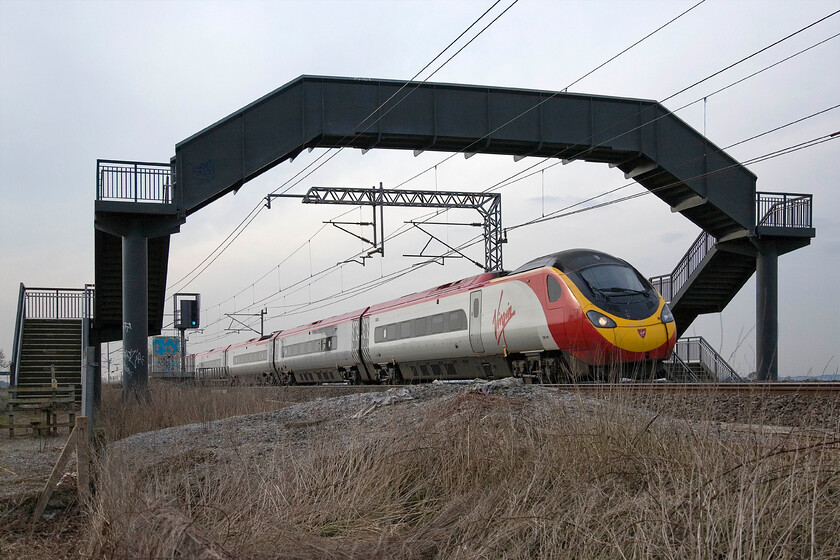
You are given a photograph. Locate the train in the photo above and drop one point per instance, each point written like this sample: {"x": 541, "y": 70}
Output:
{"x": 571, "y": 316}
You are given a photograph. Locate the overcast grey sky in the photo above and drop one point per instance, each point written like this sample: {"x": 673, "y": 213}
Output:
{"x": 128, "y": 80}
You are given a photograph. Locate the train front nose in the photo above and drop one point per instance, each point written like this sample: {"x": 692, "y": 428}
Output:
{"x": 628, "y": 340}
{"x": 647, "y": 340}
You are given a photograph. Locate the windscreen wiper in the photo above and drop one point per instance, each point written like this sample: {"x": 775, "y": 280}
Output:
{"x": 627, "y": 291}
{"x": 594, "y": 289}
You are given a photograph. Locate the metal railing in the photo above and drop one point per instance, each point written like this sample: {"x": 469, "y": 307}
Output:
{"x": 785, "y": 210}
{"x": 133, "y": 181}
{"x": 695, "y": 350}
{"x": 677, "y": 364}
{"x": 663, "y": 285}
{"x": 670, "y": 284}
{"x": 17, "y": 345}
{"x": 48, "y": 303}
{"x": 57, "y": 303}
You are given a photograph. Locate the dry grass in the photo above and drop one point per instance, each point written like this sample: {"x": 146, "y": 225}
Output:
{"x": 475, "y": 476}
{"x": 176, "y": 405}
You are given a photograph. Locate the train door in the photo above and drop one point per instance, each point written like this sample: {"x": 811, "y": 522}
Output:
{"x": 475, "y": 322}
{"x": 359, "y": 347}
{"x": 555, "y": 307}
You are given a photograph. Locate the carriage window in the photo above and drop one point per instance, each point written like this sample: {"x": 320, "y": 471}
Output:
{"x": 457, "y": 320}
{"x": 405, "y": 329}
{"x": 554, "y": 289}
{"x": 422, "y": 326}
{"x": 476, "y": 308}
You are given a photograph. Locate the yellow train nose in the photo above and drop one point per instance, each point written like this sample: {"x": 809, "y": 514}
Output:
{"x": 642, "y": 337}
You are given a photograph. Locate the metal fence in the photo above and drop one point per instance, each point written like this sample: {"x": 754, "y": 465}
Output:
{"x": 664, "y": 286}
{"x": 670, "y": 284}
{"x": 58, "y": 303}
{"x": 695, "y": 350}
{"x": 783, "y": 210}
{"x": 787, "y": 210}
{"x": 133, "y": 181}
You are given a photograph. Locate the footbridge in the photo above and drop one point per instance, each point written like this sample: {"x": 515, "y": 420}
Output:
{"x": 139, "y": 205}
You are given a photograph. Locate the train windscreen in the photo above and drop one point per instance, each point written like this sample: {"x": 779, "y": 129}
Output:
{"x": 613, "y": 279}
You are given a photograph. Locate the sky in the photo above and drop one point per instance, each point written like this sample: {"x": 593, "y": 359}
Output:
{"x": 128, "y": 80}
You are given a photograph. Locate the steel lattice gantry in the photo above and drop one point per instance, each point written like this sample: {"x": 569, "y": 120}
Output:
{"x": 489, "y": 205}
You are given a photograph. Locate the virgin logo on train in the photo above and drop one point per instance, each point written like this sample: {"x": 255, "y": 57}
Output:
{"x": 642, "y": 332}
{"x": 501, "y": 319}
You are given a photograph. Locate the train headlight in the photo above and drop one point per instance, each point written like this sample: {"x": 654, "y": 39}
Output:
{"x": 666, "y": 316}
{"x": 600, "y": 320}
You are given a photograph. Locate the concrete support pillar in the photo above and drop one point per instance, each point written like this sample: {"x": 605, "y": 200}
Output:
{"x": 135, "y": 297}
{"x": 767, "y": 312}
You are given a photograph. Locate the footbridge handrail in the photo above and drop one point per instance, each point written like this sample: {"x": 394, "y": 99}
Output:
{"x": 133, "y": 181}
{"x": 695, "y": 349}
{"x": 785, "y": 210}
{"x": 678, "y": 363}
{"x": 48, "y": 303}
{"x": 17, "y": 345}
{"x": 670, "y": 284}
{"x": 778, "y": 210}
{"x": 57, "y": 303}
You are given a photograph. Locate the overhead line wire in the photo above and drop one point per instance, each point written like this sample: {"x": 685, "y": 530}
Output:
{"x": 757, "y": 159}
{"x": 260, "y": 207}
{"x": 673, "y": 95}
{"x": 561, "y": 153}
{"x": 750, "y": 56}
{"x": 229, "y": 240}
{"x": 553, "y": 95}
{"x": 513, "y": 178}
{"x": 536, "y": 105}
{"x": 352, "y": 292}
{"x": 504, "y": 182}
{"x": 661, "y": 27}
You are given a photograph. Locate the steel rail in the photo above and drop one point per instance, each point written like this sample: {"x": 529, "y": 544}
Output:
{"x": 775, "y": 387}
{"x": 807, "y": 387}
{"x": 778, "y": 387}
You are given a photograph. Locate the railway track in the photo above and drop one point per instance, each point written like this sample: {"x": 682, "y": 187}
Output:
{"x": 774, "y": 387}
{"x": 777, "y": 388}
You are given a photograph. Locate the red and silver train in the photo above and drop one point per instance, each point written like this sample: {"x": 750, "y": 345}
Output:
{"x": 574, "y": 315}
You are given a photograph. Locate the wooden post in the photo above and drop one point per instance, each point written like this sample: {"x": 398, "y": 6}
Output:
{"x": 76, "y": 442}
{"x": 82, "y": 458}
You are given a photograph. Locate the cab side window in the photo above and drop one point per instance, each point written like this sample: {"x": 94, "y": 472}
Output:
{"x": 554, "y": 289}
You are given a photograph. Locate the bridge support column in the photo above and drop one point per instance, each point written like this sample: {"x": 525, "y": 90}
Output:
{"x": 135, "y": 300}
{"x": 767, "y": 312}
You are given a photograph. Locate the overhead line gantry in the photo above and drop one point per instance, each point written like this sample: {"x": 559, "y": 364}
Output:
{"x": 489, "y": 205}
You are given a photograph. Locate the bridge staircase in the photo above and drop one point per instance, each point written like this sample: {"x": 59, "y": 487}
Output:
{"x": 49, "y": 337}
{"x": 714, "y": 270}
{"x": 695, "y": 361}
